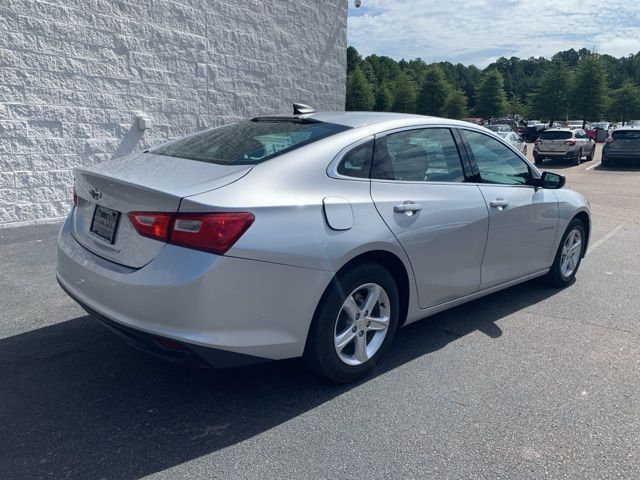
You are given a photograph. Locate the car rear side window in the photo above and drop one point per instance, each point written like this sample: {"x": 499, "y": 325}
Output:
{"x": 555, "y": 135}
{"x": 357, "y": 161}
{"x": 249, "y": 142}
{"x": 422, "y": 155}
{"x": 497, "y": 163}
{"x": 626, "y": 135}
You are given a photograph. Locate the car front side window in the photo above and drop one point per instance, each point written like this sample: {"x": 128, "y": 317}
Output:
{"x": 497, "y": 163}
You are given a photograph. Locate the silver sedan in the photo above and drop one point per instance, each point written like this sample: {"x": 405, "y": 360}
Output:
{"x": 312, "y": 235}
{"x": 516, "y": 140}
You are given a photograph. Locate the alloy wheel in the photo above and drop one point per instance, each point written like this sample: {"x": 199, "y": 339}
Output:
{"x": 571, "y": 251}
{"x": 362, "y": 324}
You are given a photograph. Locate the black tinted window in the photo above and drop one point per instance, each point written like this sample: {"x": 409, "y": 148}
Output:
{"x": 357, "y": 162}
{"x": 428, "y": 154}
{"x": 555, "y": 135}
{"x": 626, "y": 135}
{"x": 496, "y": 162}
{"x": 249, "y": 142}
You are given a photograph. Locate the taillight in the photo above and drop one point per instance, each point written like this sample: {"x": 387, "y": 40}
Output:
{"x": 609, "y": 140}
{"x": 538, "y": 142}
{"x": 151, "y": 224}
{"x": 571, "y": 142}
{"x": 211, "y": 232}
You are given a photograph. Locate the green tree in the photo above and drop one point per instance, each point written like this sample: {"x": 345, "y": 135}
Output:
{"x": 551, "y": 99}
{"x": 353, "y": 59}
{"x": 516, "y": 108}
{"x": 384, "y": 97}
{"x": 359, "y": 92}
{"x": 404, "y": 95}
{"x": 491, "y": 101}
{"x": 433, "y": 92}
{"x": 625, "y": 103}
{"x": 588, "y": 90}
{"x": 455, "y": 105}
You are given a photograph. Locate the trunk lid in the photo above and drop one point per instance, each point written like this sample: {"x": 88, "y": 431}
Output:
{"x": 137, "y": 182}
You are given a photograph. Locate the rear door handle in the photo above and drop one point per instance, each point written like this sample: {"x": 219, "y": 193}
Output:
{"x": 499, "y": 203}
{"x": 408, "y": 208}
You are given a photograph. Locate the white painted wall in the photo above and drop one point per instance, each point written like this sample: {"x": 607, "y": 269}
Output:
{"x": 74, "y": 74}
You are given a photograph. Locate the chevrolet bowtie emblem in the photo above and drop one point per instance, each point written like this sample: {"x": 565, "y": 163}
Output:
{"x": 95, "y": 193}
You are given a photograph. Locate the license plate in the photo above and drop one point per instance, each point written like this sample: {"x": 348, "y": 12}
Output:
{"x": 105, "y": 223}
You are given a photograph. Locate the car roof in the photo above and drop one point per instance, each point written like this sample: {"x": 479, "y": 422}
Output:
{"x": 627, "y": 127}
{"x": 561, "y": 129}
{"x": 361, "y": 119}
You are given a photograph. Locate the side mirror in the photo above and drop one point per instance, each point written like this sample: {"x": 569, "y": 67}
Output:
{"x": 550, "y": 180}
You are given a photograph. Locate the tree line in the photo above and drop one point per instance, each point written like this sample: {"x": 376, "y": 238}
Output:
{"x": 572, "y": 84}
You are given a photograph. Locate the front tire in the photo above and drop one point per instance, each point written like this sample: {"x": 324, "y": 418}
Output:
{"x": 354, "y": 324}
{"x": 605, "y": 162}
{"x": 569, "y": 255}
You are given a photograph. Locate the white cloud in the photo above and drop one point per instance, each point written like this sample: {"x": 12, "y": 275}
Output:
{"x": 480, "y": 31}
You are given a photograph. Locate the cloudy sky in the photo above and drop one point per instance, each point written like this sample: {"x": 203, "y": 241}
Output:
{"x": 480, "y": 31}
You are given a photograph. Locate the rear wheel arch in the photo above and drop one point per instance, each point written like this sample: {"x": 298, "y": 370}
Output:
{"x": 395, "y": 267}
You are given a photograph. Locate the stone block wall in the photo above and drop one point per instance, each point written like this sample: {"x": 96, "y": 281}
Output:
{"x": 76, "y": 74}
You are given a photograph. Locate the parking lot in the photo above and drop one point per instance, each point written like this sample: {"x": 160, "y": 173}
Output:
{"x": 529, "y": 382}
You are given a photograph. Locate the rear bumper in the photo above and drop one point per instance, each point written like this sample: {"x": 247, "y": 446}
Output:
{"x": 210, "y": 304}
{"x": 629, "y": 156}
{"x": 557, "y": 155}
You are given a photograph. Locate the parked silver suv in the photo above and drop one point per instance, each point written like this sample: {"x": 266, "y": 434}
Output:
{"x": 564, "y": 144}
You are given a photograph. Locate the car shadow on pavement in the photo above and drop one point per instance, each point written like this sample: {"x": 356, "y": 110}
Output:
{"x": 77, "y": 402}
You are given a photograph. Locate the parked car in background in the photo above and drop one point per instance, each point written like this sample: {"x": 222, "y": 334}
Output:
{"x": 499, "y": 128}
{"x": 311, "y": 235}
{"x": 531, "y": 123}
{"x": 623, "y": 144}
{"x": 510, "y": 122}
{"x": 532, "y": 132}
{"x": 575, "y": 124}
{"x": 564, "y": 144}
{"x": 474, "y": 120}
{"x": 515, "y": 140}
{"x": 601, "y": 130}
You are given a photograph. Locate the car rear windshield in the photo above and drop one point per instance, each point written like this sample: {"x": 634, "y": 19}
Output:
{"x": 555, "y": 135}
{"x": 626, "y": 135}
{"x": 249, "y": 142}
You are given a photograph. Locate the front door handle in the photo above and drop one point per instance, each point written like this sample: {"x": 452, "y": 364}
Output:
{"x": 408, "y": 208}
{"x": 499, "y": 203}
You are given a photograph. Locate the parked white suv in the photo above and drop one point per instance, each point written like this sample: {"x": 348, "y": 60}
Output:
{"x": 564, "y": 144}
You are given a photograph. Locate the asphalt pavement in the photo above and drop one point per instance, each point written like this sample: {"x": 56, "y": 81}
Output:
{"x": 530, "y": 382}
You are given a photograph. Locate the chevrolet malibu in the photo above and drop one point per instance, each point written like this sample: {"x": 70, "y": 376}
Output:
{"x": 314, "y": 235}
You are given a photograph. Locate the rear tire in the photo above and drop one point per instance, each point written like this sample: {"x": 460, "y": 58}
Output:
{"x": 538, "y": 161}
{"x": 590, "y": 156}
{"x": 354, "y": 324}
{"x": 568, "y": 257}
{"x": 576, "y": 160}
